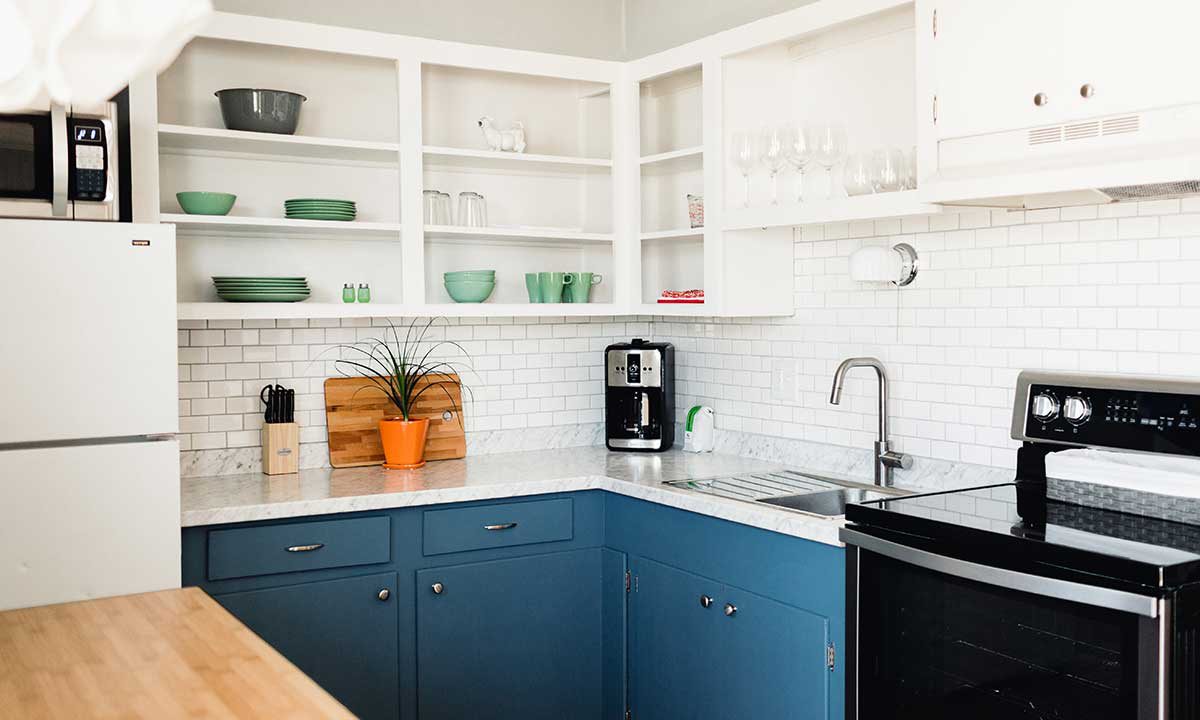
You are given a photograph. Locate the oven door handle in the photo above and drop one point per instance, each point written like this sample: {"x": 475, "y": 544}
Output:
{"x": 60, "y": 151}
{"x": 1004, "y": 578}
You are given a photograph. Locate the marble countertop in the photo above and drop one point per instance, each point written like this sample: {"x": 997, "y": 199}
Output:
{"x": 241, "y": 498}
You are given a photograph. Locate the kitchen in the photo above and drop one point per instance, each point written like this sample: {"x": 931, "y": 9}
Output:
{"x": 925, "y": 270}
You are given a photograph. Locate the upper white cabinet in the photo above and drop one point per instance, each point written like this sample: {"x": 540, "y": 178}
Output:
{"x": 1050, "y": 102}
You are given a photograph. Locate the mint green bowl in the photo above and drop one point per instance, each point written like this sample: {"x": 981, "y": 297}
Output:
{"x": 470, "y": 291}
{"x": 470, "y": 275}
{"x": 206, "y": 203}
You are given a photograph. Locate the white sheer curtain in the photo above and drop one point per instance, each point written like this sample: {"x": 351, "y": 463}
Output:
{"x": 85, "y": 51}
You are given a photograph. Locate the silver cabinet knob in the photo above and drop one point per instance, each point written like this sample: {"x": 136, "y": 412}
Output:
{"x": 437, "y": 588}
{"x": 705, "y": 601}
{"x": 1087, "y": 90}
{"x": 730, "y": 609}
{"x": 384, "y": 594}
{"x": 1041, "y": 99}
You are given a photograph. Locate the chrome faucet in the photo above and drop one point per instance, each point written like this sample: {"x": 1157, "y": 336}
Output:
{"x": 885, "y": 459}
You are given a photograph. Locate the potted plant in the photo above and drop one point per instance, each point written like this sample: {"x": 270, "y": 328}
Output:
{"x": 404, "y": 369}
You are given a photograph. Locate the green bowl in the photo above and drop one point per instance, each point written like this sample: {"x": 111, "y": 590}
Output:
{"x": 206, "y": 203}
{"x": 470, "y": 291}
{"x": 483, "y": 275}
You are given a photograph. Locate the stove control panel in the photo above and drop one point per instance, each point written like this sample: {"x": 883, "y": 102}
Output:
{"x": 1147, "y": 415}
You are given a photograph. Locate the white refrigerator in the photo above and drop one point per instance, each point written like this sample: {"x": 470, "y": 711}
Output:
{"x": 89, "y": 462}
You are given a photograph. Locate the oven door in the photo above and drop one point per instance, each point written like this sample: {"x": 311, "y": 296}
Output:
{"x": 931, "y": 636}
{"x": 33, "y": 164}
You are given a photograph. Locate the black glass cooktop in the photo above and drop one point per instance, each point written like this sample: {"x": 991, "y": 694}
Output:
{"x": 1075, "y": 543}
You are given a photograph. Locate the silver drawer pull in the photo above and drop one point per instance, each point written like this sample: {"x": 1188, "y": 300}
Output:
{"x": 501, "y": 526}
{"x": 306, "y": 548}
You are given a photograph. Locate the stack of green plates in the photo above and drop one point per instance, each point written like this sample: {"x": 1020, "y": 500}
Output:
{"x": 261, "y": 289}
{"x": 319, "y": 209}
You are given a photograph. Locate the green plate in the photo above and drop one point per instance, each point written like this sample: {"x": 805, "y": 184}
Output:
{"x": 262, "y": 288}
{"x": 264, "y": 297}
{"x": 334, "y": 200}
{"x": 318, "y": 203}
{"x": 349, "y": 213}
{"x": 343, "y": 218}
{"x": 219, "y": 278}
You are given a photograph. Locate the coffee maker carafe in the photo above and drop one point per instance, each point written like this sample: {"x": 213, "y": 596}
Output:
{"x": 639, "y": 396}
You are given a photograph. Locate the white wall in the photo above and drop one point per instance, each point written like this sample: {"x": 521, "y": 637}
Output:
{"x": 588, "y": 28}
{"x": 1106, "y": 289}
{"x": 655, "y": 25}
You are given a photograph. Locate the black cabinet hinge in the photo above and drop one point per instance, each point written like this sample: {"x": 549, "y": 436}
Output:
{"x": 830, "y": 656}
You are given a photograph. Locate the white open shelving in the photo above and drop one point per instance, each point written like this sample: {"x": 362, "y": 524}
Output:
{"x": 184, "y": 138}
{"x": 603, "y": 187}
{"x": 276, "y": 226}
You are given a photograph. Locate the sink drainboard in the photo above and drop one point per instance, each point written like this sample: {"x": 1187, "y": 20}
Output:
{"x": 758, "y": 486}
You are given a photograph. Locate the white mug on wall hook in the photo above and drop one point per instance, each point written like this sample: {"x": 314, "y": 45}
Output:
{"x": 511, "y": 140}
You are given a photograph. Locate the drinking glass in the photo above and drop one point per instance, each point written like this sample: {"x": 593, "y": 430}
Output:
{"x": 774, "y": 157}
{"x": 472, "y": 212}
{"x": 910, "y": 170}
{"x": 798, "y": 153}
{"x": 888, "y": 170}
{"x": 429, "y": 201}
{"x": 828, "y": 142}
{"x": 745, "y": 157}
{"x": 442, "y": 214}
{"x": 858, "y": 175}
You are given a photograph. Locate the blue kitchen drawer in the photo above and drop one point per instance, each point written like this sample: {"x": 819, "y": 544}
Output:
{"x": 293, "y": 547}
{"x": 499, "y": 525}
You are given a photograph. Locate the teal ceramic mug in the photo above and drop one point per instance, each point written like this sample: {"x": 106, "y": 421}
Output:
{"x": 580, "y": 288}
{"x": 551, "y": 284}
{"x": 532, "y": 286}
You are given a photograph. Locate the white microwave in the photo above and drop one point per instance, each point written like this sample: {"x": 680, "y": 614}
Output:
{"x": 61, "y": 163}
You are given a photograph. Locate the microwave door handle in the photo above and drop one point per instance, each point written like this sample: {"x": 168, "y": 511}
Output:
{"x": 60, "y": 156}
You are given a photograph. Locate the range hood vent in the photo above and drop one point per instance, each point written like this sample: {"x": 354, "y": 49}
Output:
{"x": 1157, "y": 191}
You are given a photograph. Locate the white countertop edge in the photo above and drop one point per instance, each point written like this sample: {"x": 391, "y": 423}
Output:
{"x": 817, "y": 528}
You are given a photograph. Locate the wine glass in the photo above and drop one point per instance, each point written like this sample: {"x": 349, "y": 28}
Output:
{"x": 745, "y": 156}
{"x": 774, "y": 157}
{"x": 828, "y": 143}
{"x": 798, "y": 152}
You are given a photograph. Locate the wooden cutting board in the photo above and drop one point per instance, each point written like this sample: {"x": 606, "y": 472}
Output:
{"x": 354, "y": 407}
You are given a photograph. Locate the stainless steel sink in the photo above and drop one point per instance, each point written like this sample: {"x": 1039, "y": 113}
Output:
{"x": 803, "y": 492}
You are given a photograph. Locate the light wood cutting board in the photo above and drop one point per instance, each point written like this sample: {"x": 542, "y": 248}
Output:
{"x": 354, "y": 407}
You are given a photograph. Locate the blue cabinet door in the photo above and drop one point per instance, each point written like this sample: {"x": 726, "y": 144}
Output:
{"x": 339, "y": 632}
{"x": 674, "y": 661}
{"x": 772, "y": 660}
{"x": 514, "y": 638}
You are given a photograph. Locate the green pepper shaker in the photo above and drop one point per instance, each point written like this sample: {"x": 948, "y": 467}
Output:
{"x": 348, "y": 293}
{"x": 364, "y": 293}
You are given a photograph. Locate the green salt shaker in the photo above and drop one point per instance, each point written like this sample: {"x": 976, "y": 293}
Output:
{"x": 347, "y": 293}
{"x": 364, "y": 293}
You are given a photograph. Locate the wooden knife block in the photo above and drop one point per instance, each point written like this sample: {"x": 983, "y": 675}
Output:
{"x": 280, "y": 448}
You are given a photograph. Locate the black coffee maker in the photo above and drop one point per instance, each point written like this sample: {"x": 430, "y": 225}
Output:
{"x": 639, "y": 396}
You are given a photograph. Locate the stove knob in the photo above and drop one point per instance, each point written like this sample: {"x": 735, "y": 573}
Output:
{"x": 1077, "y": 410}
{"x": 1045, "y": 407}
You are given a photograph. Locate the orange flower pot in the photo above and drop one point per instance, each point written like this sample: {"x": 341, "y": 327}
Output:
{"x": 403, "y": 442}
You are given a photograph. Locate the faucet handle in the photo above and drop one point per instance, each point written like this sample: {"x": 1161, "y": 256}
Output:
{"x": 893, "y": 459}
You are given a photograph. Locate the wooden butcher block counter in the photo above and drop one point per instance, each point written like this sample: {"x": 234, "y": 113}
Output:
{"x": 169, "y": 654}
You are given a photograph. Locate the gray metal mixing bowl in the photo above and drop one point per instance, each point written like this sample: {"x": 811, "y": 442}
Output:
{"x": 257, "y": 110}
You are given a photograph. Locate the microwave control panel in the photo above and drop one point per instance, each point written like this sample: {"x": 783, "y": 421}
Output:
{"x": 89, "y": 159}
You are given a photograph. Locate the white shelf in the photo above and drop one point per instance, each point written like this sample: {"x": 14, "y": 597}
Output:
{"x": 679, "y": 309}
{"x": 674, "y": 234}
{"x": 456, "y": 232}
{"x": 683, "y": 160}
{"x": 815, "y": 211}
{"x": 263, "y": 311}
{"x": 467, "y": 158}
{"x": 202, "y": 139}
{"x": 278, "y": 226}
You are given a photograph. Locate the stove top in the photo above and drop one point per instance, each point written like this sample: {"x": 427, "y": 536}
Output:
{"x": 1076, "y": 543}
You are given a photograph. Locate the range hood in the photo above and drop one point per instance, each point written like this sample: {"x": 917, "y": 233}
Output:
{"x": 1126, "y": 157}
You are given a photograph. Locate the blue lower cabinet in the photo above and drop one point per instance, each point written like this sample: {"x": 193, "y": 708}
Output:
{"x": 699, "y": 648}
{"x": 516, "y": 638}
{"x": 674, "y": 656}
{"x": 341, "y": 633}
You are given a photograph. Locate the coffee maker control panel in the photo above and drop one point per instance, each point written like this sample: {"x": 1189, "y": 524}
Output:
{"x": 635, "y": 368}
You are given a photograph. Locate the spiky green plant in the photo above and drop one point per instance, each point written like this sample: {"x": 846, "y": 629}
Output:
{"x": 402, "y": 369}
